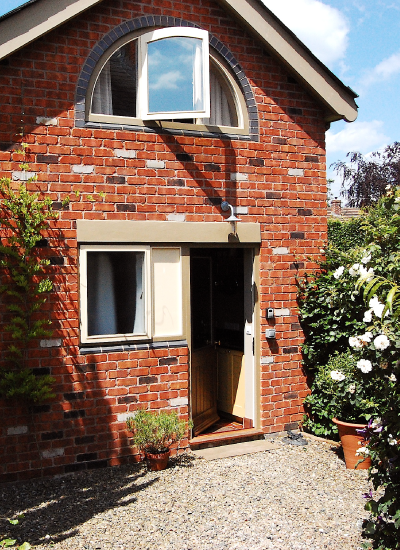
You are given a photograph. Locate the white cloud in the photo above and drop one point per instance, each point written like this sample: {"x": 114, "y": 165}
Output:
{"x": 166, "y": 81}
{"x": 357, "y": 136}
{"x": 383, "y": 71}
{"x": 322, "y": 28}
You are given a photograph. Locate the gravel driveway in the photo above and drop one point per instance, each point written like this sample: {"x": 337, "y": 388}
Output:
{"x": 291, "y": 498}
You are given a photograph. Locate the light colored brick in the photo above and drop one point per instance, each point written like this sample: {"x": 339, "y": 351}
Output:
{"x": 125, "y": 153}
{"x": 282, "y": 312}
{"x": 17, "y": 430}
{"x": 54, "y": 343}
{"x": 155, "y": 163}
{"x": 280, "y": 250}
{"x": 52, "y": 453}
{"x": 176, "y": 217}
{"x": 238, "y": 176}
{"x": 21, "y": 175}
{"x": 267, "y": 360}
{"x": 179, "y": 402}
{"x": 46, "y": 121}
{"x": 296, "y": 172}
{"x": 83, "y": 169}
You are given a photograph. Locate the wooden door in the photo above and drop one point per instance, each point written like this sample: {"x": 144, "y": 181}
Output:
{"x": 231, "y": 382}
{"x": 204, "y": 389}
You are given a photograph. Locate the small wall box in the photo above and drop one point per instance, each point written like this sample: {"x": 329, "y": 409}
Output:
{"x": 270, "y": 333}
{"x": 269, "y": 313}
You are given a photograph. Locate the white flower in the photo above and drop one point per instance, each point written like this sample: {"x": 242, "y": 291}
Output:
{"x": 339, "y": 272}
{"x": 381, "y": 342}
{"x": 397, "y": 199}
{"x": 376, "y": 423}
{"x": 388, "y": 187}
{"x": 392, "y": 440}
{"x": 355, "y": 342}
{"x": 354, "y": 270}
{"x": 368, "y": 316}
{"x": 392, "y": 378}
{"x": 366, "y": 259}
{"x": 366, "y": 274}
{"x": 365, "y": 338}
{"x": 337, "y": 375}
{"x": 377, "y": 307}
{"x": 351, "y": 388}
{"x": 364, "y": 365}
{"x": 364, "y": 451}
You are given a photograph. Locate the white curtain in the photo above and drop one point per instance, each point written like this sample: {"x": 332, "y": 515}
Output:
{"x": 220, "y": 112}
{"x": 102, "y": 310}
{"x": 138, "y": 327}
{"x": 102, "y": 94}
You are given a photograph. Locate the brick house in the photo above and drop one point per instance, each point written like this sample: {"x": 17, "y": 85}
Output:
{"x": 194, "y": 132}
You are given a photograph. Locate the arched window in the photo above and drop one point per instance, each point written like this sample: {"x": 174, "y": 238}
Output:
{"x": 170, "y": 76}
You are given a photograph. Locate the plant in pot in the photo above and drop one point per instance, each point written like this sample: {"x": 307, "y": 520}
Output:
{"x": 345, "y": 391}
{"x": 154, "y": 433}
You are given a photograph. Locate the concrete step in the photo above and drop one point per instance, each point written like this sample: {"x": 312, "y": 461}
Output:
{"x": 225, "y": 438}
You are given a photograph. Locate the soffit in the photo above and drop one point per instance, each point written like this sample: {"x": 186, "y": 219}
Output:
{"x": 38, "y": 17}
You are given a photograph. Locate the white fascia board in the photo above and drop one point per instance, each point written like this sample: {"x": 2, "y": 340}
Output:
{"x": 37, "y": 19}
{"x": 334, "y": 94}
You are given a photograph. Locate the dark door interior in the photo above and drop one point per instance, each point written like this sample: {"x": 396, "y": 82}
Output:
{"x": 217, "y": 326}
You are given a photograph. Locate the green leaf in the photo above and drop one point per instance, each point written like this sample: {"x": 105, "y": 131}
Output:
{"x": 6, "y": 543}
{"x": 25, "y": 546}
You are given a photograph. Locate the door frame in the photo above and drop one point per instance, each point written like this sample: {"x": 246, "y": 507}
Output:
{"x": 251, "y": 328}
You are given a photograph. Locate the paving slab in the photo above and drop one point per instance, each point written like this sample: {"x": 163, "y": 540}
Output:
{"x": 236, "y": 449}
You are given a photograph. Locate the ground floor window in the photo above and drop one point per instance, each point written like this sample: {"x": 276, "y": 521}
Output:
{"x": 130, "y": 293}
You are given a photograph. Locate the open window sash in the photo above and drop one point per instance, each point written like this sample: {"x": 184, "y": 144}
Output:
{"x": 174, "y": 81}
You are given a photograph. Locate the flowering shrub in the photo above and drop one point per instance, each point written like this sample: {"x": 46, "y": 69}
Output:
{"x": 331, "y": 308}
{"x": 343, "y": 388}
{"x": 365, "y": 284}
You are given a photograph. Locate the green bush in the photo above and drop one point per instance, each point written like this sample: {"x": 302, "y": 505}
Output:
{"x": 331, "y": 310}
{"x": 156, "y": 432}
{"x": 341, "y": 390}
{"x": 353, "y": 303}
{"x": 347, "y": 234}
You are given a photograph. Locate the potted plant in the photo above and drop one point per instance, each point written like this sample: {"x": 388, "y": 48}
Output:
{"x": 154, "y": 433}
{"x": 345, "y": 392}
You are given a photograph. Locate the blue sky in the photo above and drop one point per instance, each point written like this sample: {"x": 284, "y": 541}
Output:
{"x": 359, "y": 40}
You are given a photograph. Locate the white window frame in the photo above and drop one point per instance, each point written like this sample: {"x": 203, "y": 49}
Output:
{"x": 143, "y": 88}
{"x": 85, "y": 337}
{"x": 150, "y": 303}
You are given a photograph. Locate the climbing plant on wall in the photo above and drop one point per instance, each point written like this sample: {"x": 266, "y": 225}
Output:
{"x": 24, "y": 217}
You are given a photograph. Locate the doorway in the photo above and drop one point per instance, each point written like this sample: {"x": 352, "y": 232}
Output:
{"x": 222, "y": 343}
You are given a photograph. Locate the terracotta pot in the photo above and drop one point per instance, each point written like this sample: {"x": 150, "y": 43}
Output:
{"x": 157, "y": 461}
{"x": 351, "y": 441}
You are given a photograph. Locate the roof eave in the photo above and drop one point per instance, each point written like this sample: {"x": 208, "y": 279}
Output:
{"x": 338, "y": 99}
{"x": 36, "y": 18}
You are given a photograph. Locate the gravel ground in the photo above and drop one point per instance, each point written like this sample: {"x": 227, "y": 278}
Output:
{"x": 291, "y": 498}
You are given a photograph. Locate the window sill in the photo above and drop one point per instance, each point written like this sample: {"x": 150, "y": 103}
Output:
{"x": 174, "y": 129}
{"x": 113, "y": 348}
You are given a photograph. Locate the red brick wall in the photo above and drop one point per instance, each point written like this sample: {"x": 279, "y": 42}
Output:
{"x": 285, "y": 192}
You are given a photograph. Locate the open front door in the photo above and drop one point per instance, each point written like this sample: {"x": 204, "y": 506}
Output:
{"x": 219, "y": 324}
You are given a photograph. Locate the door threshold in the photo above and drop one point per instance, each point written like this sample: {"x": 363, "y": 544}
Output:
{"x": 225, "y": 438}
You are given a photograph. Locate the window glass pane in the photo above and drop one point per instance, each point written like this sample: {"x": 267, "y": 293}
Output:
{"x": 167, "y": 292}
{"x": 175, "y": 74}
{"x": 115, "y": 293}
{"x": 115, "y": 91}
